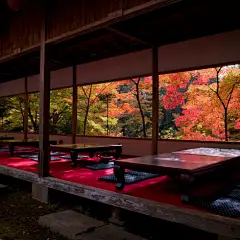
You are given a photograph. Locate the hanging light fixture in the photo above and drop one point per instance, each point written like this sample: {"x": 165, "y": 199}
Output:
{"x": 14, "y": 5}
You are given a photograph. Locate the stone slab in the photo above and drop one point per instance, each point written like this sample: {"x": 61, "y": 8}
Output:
{"x": 109, "y": 232}
{"x": 40, "y": 192}
{"x": 69, "y": 223}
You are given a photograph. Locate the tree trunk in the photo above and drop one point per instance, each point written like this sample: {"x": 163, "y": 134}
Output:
{"x": 87, "y": 110}
{"x": 85, "y": 120}
{"x": 226, "y": 123}
{"x": 141, "y": 111}
{"x": 32, "y": 120}
{"x": 22, "y": 113}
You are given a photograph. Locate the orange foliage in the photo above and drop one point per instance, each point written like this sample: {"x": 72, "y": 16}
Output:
{"x": 203, "y": 113}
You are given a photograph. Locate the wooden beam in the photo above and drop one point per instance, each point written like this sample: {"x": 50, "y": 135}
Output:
{"x": 112, "y": 18}
{"x": 74, "y": 105}
{"x": 23, "y": 52}
{"x": 44, "y": 154}
{"x": 26, "y": 105}
{"x": 155, "y": 100}
{"x": 121, "y": 33}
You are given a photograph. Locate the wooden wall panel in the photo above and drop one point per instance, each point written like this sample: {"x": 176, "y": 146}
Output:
{"x": 22, "y": 31}
{"x": 133, "y": 3}
{"x": 65, "y": 17}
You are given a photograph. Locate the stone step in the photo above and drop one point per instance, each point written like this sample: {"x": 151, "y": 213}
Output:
{"x": 70, "y": 223}
{"x": 77, "y": 226}
{"x": 108, "y": 232}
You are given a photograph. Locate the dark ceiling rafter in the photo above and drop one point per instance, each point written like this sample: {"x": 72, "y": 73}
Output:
{"x": 121, "y": 33}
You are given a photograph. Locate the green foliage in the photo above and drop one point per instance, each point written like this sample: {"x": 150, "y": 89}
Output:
{"x": 188, "y": 108}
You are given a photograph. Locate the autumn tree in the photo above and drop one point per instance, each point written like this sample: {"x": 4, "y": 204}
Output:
{"x": 172, "y": 96}
{"x": 212, "y": 104}
{"x": 4, "y": 110}
{"x": 59, "y": 113}
{"x": 137, "y": 93}
{"x": 33, "y": 111}
{"x": 15, "y": 106}
{"x": 224, "y": 92}
{"x": 60, "y": 116}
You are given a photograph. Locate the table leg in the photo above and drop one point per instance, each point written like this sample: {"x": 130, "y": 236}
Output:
{"x": 11, "y": 150}
{"x": 118, "y": 153}
{"x": 187, "y": 181}
{"x": 119, "y": 173}
{"x": 74, "y": 155}
{"x": 91, "y": 154}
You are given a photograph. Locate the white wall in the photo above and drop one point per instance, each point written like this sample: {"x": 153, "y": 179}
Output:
{"x": 59, "y": 79}
{"x": 33, "y": 83}
{"x": 216, "y": 49}
{"x": 120, "y": 67}
{"x": 11, "y": 88}
{"x": 62, "y": 78}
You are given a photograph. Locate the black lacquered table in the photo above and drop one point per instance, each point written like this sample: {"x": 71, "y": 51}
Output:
{"x": 186, "y": 165}
{"x": 91, "y": 149}
{"x": 29, "y": 142}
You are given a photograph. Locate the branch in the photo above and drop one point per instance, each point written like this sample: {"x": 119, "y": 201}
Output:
{"x": 212, "y": 89}
{"x": 136, "y": 83}
{"x": 230, "y": 94}
{"x": 101, "y": 92}
{"x": 217, "y": 90}
{"x": 218, "y": 79}
{"x": 84, "y": 92}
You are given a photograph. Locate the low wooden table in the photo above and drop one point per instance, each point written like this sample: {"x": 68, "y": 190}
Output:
{"x": 91, "y": 149}
{"x": 6, "y": 138}
{"x": 29, "y": 142}
{"x": 185, "y": 165}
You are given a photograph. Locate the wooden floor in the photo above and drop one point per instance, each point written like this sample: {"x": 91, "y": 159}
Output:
{"x": 158, "y": 197}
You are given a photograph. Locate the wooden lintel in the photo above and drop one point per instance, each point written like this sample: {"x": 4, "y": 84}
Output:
{"x": 44, "y": 154}
{"x": 121, "y": 33}
{"x": 155, "y": 101}
{"x": 26, "y": 105}
{"x": 24, "y": 51}
{"x": 113, "y": 18}
{"x": 74, "y": 105}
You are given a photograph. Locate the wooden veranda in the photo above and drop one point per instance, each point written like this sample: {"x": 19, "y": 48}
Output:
{"x": 48, "y": 36}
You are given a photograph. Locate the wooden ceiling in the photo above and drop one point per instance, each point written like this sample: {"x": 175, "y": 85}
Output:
{"x": 181, "y": 21}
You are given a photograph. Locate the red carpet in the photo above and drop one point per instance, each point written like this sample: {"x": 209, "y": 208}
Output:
{"x": 160, "y": 189}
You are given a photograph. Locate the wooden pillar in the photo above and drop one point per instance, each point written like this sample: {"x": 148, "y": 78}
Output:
{"x": 155, "y": 100}
{"x": 26, "y": 102}
{"x": 74, "y": 106}
{"x": 44, "y": 154}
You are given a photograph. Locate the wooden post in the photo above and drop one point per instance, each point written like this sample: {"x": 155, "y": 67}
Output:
{"x": 44, "y": 154}
{"x": 155, "y": 100}
{"x": 26, "y": 102}
{"x": 74, "y": 106}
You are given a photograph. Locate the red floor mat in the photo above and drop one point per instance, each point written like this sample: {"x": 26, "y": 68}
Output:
{"x": 160, "y": 189}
